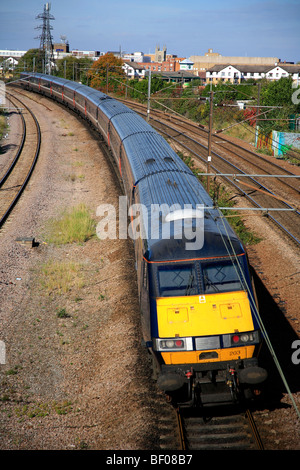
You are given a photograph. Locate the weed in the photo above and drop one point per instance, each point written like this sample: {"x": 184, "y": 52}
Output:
{"x": 75, "y": 225}
{"x": 62, "y": 313}
{"x": 61, "y": 277}
{"x": 13, "y": 371}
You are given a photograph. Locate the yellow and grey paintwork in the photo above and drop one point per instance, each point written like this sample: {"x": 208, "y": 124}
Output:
{"x": 203, "y": 316}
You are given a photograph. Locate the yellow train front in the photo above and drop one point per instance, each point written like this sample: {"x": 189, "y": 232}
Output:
{"x": 205, "y": 337}
{"x": 200, "y": 319}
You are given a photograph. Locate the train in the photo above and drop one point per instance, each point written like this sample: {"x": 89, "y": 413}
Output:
{"x": 198, "y": 308}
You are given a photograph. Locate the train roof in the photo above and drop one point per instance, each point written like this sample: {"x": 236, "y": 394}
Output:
{"x": 84, "y": 90}
{"x": 149, "y": 153}
{"x": 176, "y": 191}
{"x": 161, "y": 178}
{"x": 112, "y": 108}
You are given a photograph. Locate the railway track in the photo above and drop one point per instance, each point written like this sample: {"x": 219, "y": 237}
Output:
{"x": 18, "y": 171}
{"x": 216, "y": 429}
{"x": 235, "y": 165}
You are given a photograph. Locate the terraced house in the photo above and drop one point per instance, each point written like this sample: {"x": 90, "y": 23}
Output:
{"x": 238, "y": 73}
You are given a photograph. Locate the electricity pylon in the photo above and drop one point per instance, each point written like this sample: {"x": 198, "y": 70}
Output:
{"x": 46, "y": 46}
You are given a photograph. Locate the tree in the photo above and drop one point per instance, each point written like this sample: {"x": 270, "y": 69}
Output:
{"x": 139, "y": 88}
{"x": 278, "y": 93}
{"x": 107, "y": 74}
{"x": 72, "y": 68}
{"x": 31, "y": 61}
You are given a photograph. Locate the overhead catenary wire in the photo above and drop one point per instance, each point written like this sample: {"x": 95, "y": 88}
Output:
{"x": 233, "y": 256}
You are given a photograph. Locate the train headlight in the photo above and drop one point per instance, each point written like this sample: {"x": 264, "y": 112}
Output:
{"x": 173, "y": 344}
{"x": 244, "y": 338}
{"x": 248, "y": 337}
{"x": 241, "y": 339}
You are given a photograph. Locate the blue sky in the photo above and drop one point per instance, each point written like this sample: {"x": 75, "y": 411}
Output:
{"x": 234, "y": 28}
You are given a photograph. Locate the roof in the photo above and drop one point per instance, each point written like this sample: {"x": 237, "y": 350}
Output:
{"x": 170, "y": 190}
{"x": 186, "y": 61}
{"x": 286, "y": 67}
{"x": 134, "y": 65}
{"x": 178, "y": 74}
{"x": 255, "y": 68}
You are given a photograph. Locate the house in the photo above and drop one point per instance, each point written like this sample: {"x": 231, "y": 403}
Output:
{"x": 224, "y": 73}
{"x": 9, "y": 64}
{"x": 186, "y": 64}
{"x": 238, "y": 73}
{"x": 134, "y": 69}
{"x": 283, "y": 70}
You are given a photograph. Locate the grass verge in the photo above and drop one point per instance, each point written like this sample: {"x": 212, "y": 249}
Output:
{"x": 73, "y": 226}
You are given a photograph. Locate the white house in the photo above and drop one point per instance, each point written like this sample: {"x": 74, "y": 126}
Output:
{"x": 134, "y": 70}
{"x": 9, "y": 64}
{"x": 186, "y": 65}
{"x": 282, "y": 70}
{"x": 224, "y": 73}
{"x": 238, "y": 73}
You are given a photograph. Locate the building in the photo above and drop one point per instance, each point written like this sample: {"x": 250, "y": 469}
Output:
{"x": 80, "y": 54}
{"x": 138, "y": 57}
{"x": 165, "y": 66}
{"x": 186, "y": 64}
{"x": 238, "y": 73}
{"x": 61, "y": 47}
{"x": 210, "y": 59}
{"x": 179, "y": 76}
{"x": 7, "y": 53}
{"x": 134, "y": 70}
{"x": 8, "y": 64}
{"x": 160, "y": 56}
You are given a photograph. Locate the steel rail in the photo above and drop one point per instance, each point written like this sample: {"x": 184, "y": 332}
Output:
{"x": 224, "y": 430}
{"x": 29, "y": 173}
{"x": 19, "y": 151}
{"x": 180, "y": 430}
{"x": 254, "y": 430}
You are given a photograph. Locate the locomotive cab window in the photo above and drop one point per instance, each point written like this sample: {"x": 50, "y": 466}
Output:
{"x": 221, "y": 277}
{"x": 177, "y": 280}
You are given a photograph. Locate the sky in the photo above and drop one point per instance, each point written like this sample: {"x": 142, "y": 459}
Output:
{"x": 186, "y": 28}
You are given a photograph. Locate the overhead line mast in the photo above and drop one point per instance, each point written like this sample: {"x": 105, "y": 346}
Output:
{"x": 46, "y": 45}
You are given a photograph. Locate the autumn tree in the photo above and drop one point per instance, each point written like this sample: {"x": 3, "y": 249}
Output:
{"x": 107, "y": 74}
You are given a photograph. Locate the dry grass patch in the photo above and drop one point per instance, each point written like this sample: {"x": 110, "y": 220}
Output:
{"x": 61, "y": 277}
{"x": 73, "y": 226}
